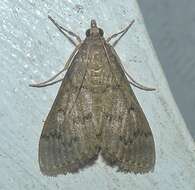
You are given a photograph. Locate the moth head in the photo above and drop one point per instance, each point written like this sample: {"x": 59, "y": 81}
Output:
{"x": 94, "y": 31}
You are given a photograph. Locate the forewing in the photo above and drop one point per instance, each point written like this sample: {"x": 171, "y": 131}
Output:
{"x": 67, "y": 142}
{"x": 127, "y": 138}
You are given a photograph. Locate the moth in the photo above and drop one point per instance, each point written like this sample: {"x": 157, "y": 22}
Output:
{"x": 95, "y": 111}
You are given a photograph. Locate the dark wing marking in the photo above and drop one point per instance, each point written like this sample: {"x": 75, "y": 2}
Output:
{"x": 68, "y": 142}
{"x": 127, "y": 138}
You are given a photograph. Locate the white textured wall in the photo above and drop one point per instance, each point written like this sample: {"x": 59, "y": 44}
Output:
{"x": 171, "y": 25}
{"x": 32, "y": 48}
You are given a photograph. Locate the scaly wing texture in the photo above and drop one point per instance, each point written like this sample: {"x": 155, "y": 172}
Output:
{"x": 127, "y": 138}
{"x": 68, "y": 142}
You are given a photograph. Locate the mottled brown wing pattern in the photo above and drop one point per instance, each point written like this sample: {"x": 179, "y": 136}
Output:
{"x": 127, "y": 138}
{"x": 95, "y": 111}
{"x": 64, "y": 143}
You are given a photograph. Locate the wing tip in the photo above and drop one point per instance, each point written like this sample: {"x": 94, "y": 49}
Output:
{"x": 130, "y": 167}
{"x": 63, "y": 169}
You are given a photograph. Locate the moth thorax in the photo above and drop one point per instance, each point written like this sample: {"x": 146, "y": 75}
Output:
{"x": 94, "y": 32}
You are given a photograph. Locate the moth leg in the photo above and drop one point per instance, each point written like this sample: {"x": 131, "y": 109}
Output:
{"x": 61, "y": 29}
{"x": 121, "y": 32}
{"x": 140, "y": 86}
{"x": 134, "y": 83}
{"x": 44, "y": 83}
{"x": 40, "y": 85}
{"x": 52, "y": 78}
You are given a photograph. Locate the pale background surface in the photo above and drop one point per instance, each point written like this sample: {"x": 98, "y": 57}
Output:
{"x": 32, "y": 48}
{"x": 171, "y": 28}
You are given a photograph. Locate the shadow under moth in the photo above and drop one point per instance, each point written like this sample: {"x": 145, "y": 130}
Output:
{"x": 95, "y": 111}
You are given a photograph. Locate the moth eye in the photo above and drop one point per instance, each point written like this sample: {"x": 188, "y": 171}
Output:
{"x": 88, "y": 33}
{"x": 101, "y": 32}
